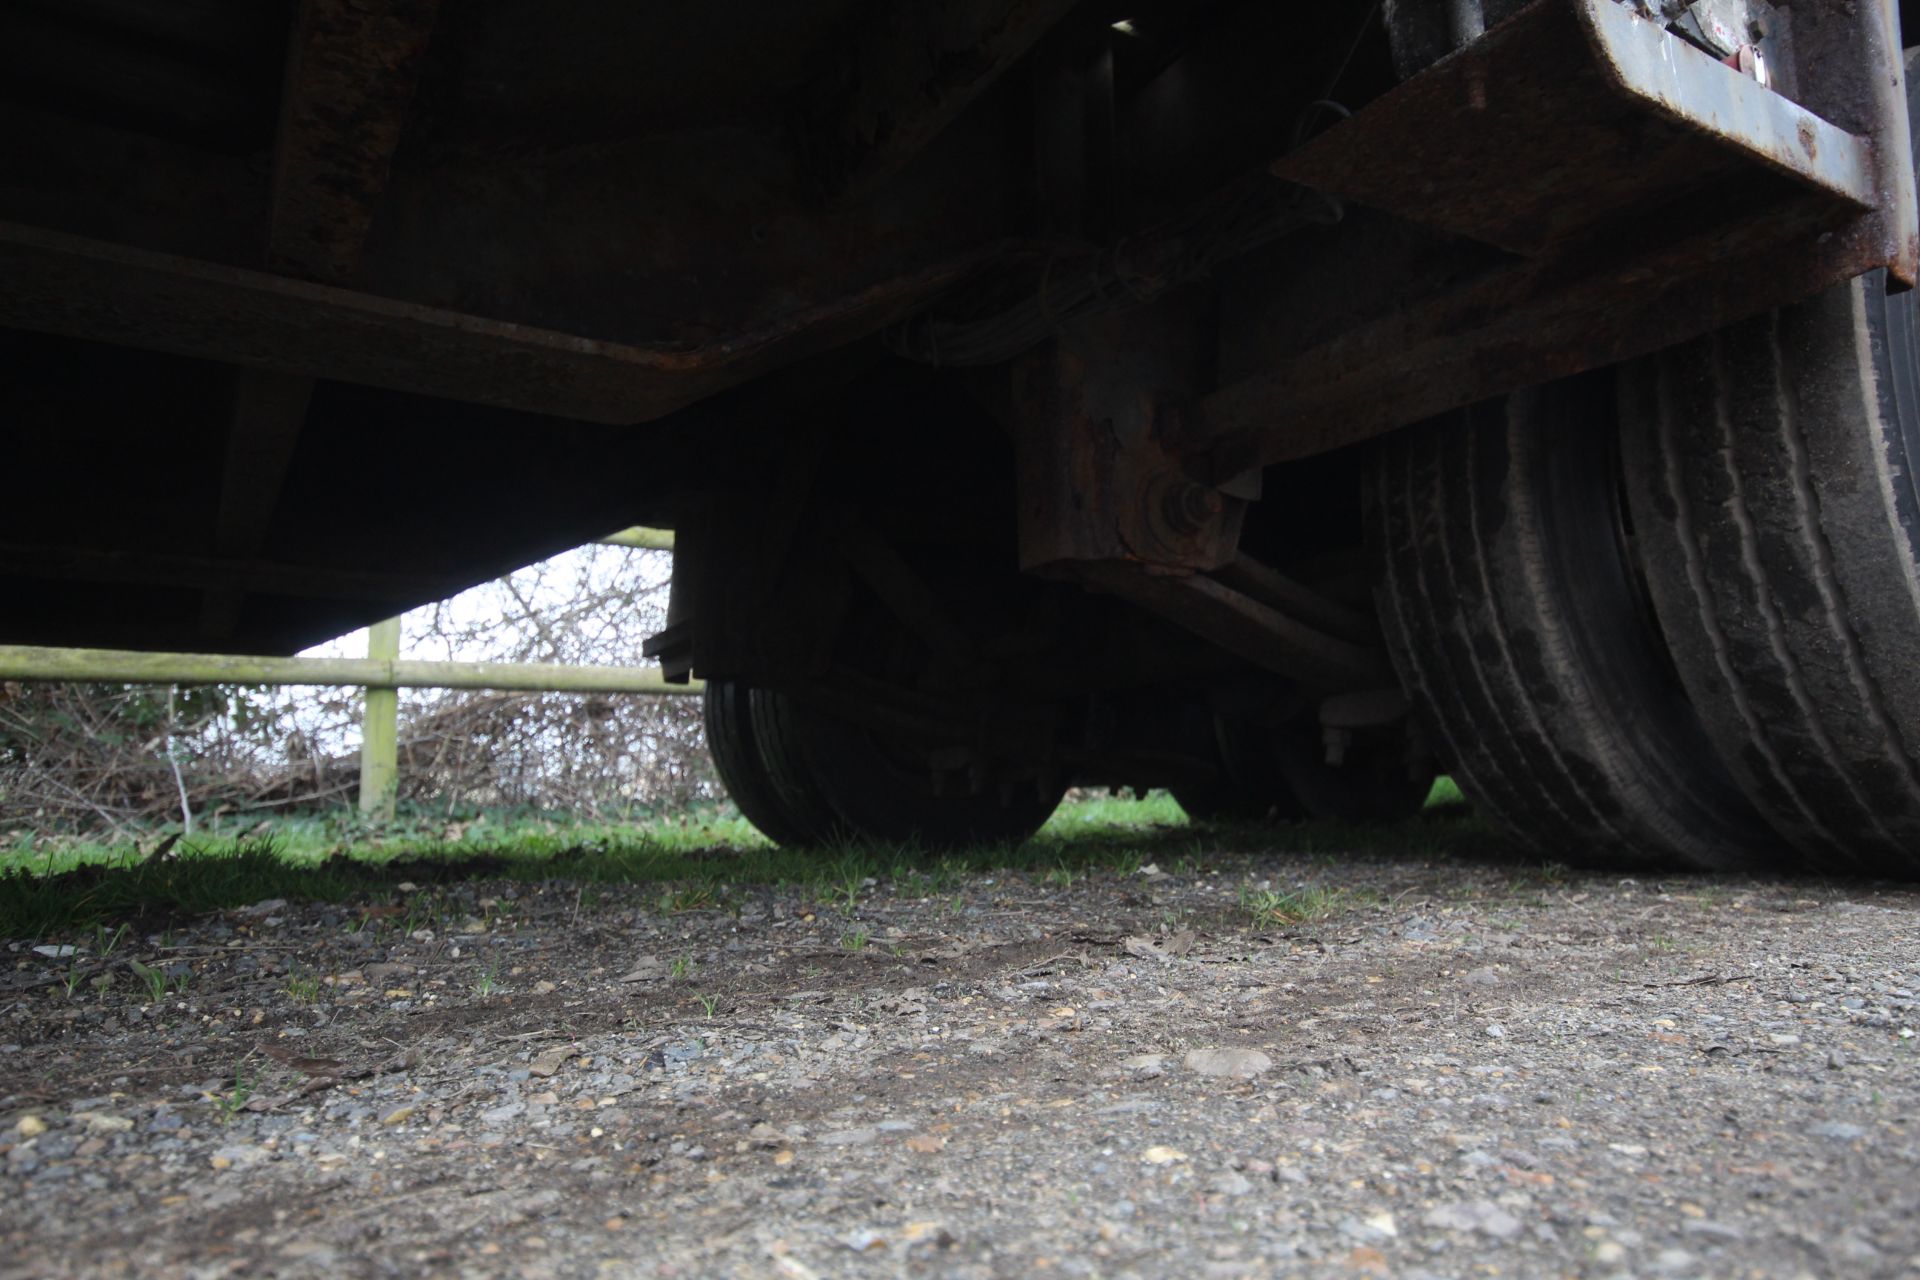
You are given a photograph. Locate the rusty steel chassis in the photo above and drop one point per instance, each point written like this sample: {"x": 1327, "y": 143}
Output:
{"x": 1570, "y": 190}
{"x": 1573, "y": 189}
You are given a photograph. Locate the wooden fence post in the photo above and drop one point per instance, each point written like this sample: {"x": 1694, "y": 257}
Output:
{"x": 380, "y": 729}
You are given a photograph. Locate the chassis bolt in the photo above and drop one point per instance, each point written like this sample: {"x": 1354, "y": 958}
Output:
{"x": 1187, "y": 507}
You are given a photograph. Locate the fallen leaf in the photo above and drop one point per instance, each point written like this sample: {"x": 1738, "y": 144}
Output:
{"x": 926, "y": 1143}
{"x": 307, "y": 1066}
{"x": 401, "y": 1061}
{"x": 1148, "y": 948}
{"x": 552, "y": 1060}
{"x": 1163, "y": 1155}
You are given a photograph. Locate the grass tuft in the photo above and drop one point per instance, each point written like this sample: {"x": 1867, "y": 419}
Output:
{"x": 1271, "y": 908}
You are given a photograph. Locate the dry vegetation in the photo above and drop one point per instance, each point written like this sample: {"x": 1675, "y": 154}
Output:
{"x": 108, "y": 760}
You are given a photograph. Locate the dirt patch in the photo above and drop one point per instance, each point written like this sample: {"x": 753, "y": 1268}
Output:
{"x": 1462, "y": 1070}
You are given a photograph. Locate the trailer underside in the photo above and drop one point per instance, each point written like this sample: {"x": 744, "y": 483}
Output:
{"x": 1002, "y": 364}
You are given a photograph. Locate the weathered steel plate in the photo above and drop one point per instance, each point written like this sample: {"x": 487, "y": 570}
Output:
{"x": 1573, "y": 116}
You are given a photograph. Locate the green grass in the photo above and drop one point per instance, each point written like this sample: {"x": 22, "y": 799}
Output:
{"x": 307, "y": 839}
{"x": 1271, "y": 908}
{"x": 1446, "y": 795}
{"x": 1104, "y": 814}
{"x": 697, "y": 860}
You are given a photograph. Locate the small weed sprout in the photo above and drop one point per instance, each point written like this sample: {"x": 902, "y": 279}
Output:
{"x": 855, "y": 939}
{"x": 303, "y": 987}
{"x": 846, "y": 896}
{"x": 152, "y": 978}
{"x": 709, "y": 1003}
{"x": 234, "y": 1101}
{"x": 104, "y": 942}
{"x": 681, "y": 967}
{"x": 489, "y": 982}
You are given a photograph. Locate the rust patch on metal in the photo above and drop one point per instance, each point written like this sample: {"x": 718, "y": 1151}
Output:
{"x": 351, "y": 70}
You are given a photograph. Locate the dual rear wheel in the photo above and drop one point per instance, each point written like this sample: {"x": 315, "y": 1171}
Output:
{"x": 1672, "y": 614}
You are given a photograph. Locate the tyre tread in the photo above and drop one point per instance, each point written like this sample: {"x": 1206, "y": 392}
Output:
{"x": 743, "y": 770}
{"x": 1477, "y": 602}
{"x": 1789, "y": 658}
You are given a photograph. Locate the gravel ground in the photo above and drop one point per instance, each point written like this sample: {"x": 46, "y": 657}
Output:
{"x": 1461, "y": 1070}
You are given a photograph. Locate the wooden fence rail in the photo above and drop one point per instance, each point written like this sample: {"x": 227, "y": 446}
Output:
{"x": 382, "y": 673}
{"x": 120, "y": 666}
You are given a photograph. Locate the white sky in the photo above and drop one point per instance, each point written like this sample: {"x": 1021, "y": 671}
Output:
{"x": 486, "y": 622}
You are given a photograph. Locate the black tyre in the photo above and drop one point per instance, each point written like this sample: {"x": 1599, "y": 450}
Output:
{"x": 1221, "y": 801}
{"x": 786, "y": 816}
{"x": 1249, "y": 787}
{"x": 1281, "y": 774}
{"x": 1374, "y": 781}
{"x": 1517, "y": 621}
{"x": 880, "y": 789}
{"x": 1773, "y": 483}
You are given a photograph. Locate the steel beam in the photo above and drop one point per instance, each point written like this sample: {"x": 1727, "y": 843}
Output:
{"x": 206, "y": 573}
{"x": 351, "y": 71}
{"x": 918, "y": 66}
{"x": 1246, "y": 627}
{"x": 85, "y": 288}
{"x": 269, "y": 410}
